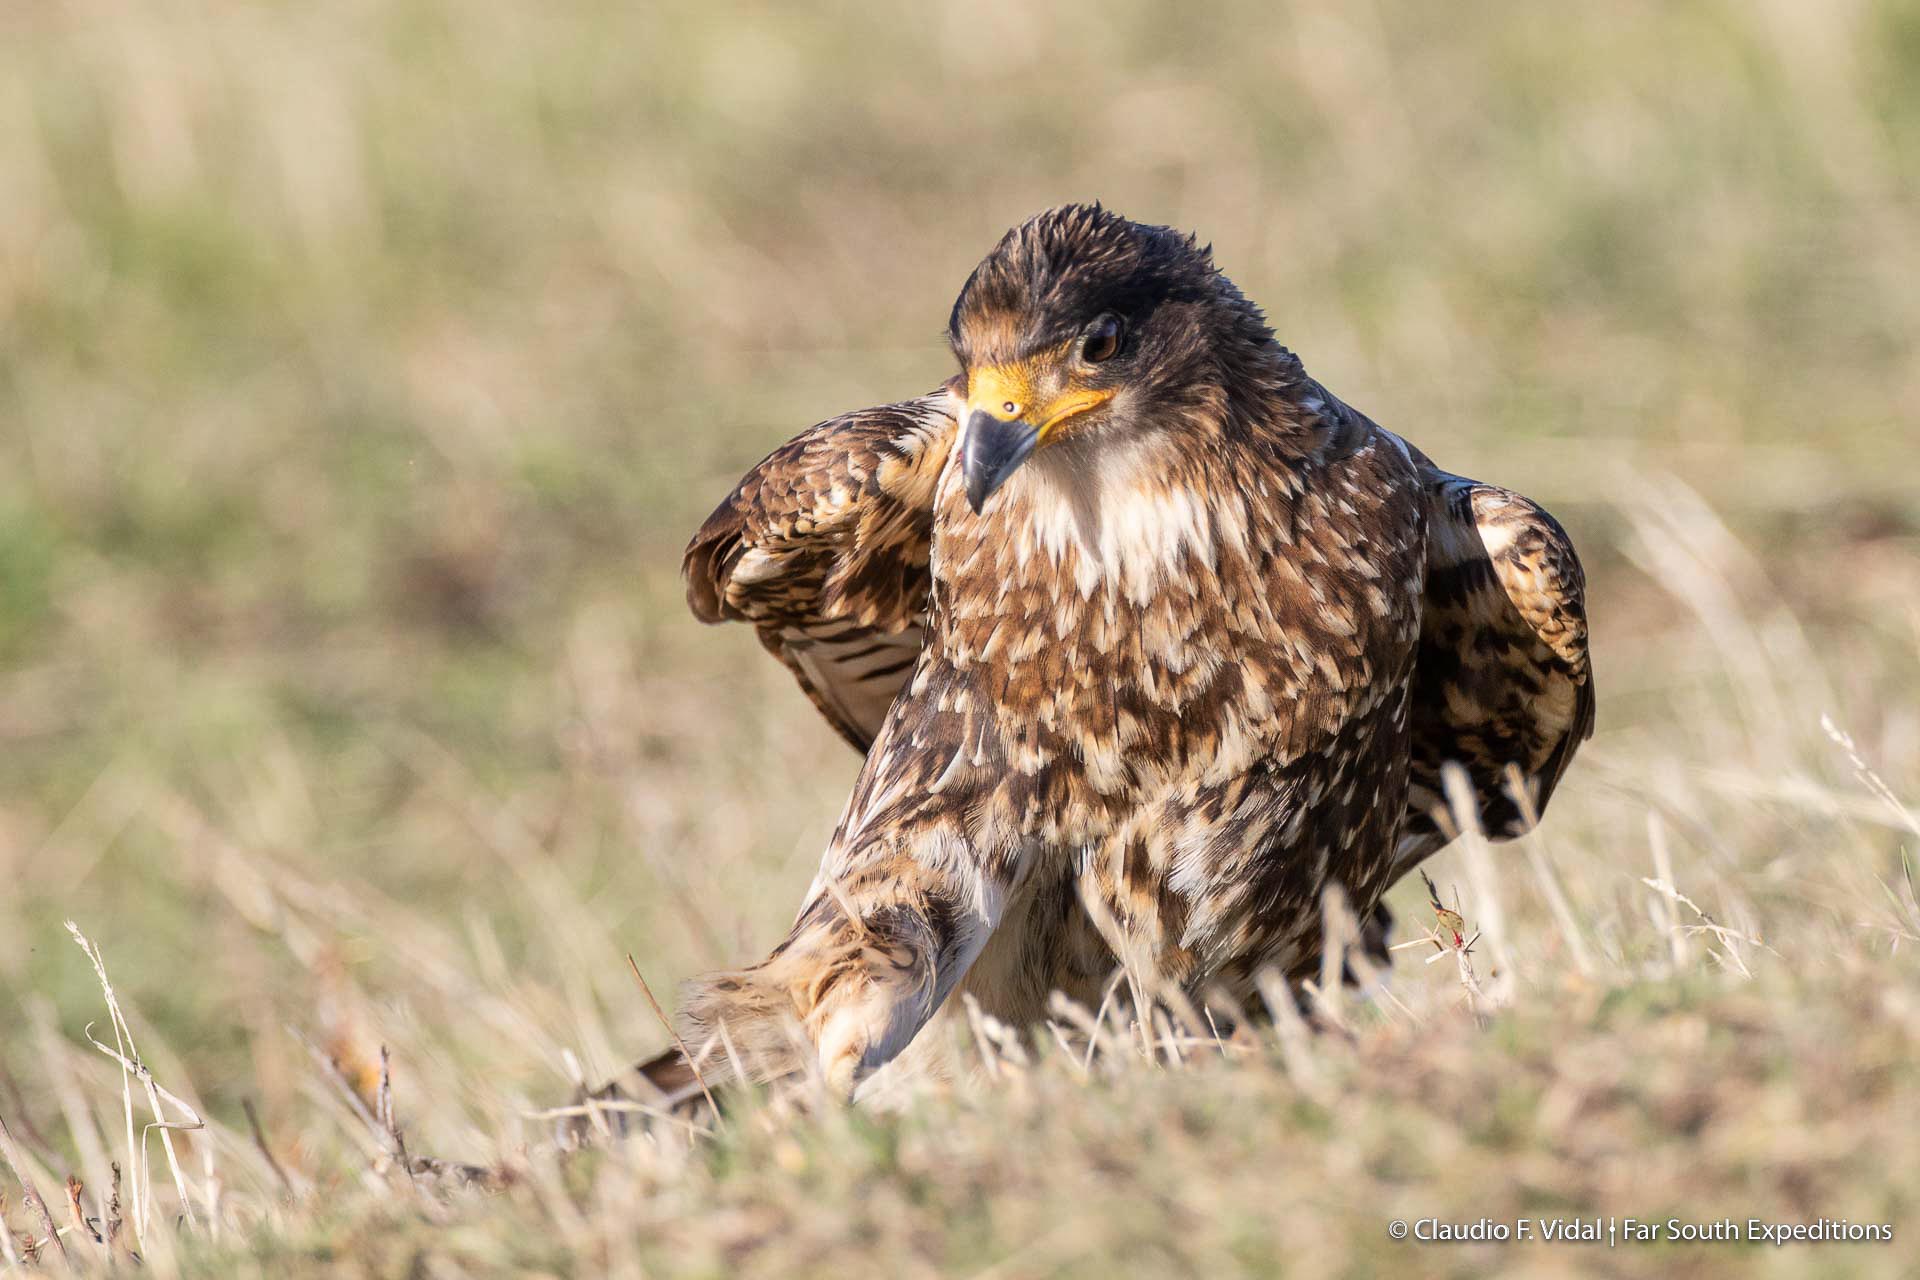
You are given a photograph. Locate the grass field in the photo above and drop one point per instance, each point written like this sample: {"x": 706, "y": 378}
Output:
{"x": 363, "y": 368}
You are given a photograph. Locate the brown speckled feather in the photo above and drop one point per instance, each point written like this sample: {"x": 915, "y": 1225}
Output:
{"x": 1502, "y": 680}
{"x": 1148, "y": 643}
{"x": 823, "y": 548}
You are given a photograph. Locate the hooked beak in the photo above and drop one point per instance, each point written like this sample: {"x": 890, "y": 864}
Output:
{"x": 994, "y": 450}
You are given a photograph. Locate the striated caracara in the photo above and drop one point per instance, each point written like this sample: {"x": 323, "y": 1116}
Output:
{"x": 1148, "y": 639}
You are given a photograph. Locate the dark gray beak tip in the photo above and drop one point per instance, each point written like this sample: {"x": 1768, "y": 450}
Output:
{"x": 995, "y": 449}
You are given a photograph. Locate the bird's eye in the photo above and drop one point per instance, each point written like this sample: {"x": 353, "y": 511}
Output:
{"x": 1102, "y": 340}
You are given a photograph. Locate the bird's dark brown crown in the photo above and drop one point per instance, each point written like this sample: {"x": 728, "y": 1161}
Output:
{"x": 1186, "y": 325}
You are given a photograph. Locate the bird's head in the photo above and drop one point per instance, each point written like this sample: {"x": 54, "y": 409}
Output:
{"x": 1082, "y": 325}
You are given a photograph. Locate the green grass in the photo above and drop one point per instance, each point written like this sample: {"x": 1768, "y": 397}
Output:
{"x": 364, "y": 368}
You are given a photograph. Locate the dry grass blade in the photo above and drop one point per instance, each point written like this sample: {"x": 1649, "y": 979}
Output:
{"x": 1062, "y": 1008}
{"x": 68, "y": 1089}
{"x": 1338, "y": 931}
{"x": 1545, "y": 876}
{"x": 1101, "y": 1040}
{"x": 989, "y": 1053}
{"x": 1668, "y": 922}
{"x": 693, "y": 1063}
{"x": 1870, "y": 777}
{"x": 1484, "y": 881}
{"x": 1294, "y": 1037}
{"x": 1906, "y": 902}
{"x": 1732, "y": 938}
{"x": 594, "y": 1108}
{"x": 131, "y": 1067}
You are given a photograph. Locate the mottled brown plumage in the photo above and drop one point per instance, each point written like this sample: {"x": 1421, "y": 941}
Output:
{"x": 1149, "y": 640}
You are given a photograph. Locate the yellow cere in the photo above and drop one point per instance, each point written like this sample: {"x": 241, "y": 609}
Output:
{"x": 1011, "y": 391}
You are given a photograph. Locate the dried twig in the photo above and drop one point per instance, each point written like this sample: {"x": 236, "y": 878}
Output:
{"x": 78, "y": 1213}
{"x": 395, "y": 1141}
{"x": 260, "y": 1144}
{"x": 383, "y": 1100}
{"x": 1448, "y": 935}
{"x": 331, "y": 1069}
{"x": 115, "y": 1221}
{"x": 11, "y": 1151}
{"x": 484, "y": 1177}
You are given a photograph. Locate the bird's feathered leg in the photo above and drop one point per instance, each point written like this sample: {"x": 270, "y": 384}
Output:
{"x": 873, "y": 954}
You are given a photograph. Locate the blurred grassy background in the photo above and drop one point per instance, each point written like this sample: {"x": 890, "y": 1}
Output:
{"x": 363, "y": 367}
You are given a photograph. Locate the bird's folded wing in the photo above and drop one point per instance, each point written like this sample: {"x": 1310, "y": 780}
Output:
{"x": 1501, "y": 681}
{"x": 823, "y": 548}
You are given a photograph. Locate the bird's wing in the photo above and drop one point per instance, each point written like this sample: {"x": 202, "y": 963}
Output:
{"x": 1501, "y": 677}
{"x": 823, "y": 548}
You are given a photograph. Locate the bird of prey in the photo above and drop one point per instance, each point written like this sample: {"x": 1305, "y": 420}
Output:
{"x": 1148, "y": 640}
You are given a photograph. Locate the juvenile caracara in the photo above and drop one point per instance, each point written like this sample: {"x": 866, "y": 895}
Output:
{"x": 1148, "y": 640}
